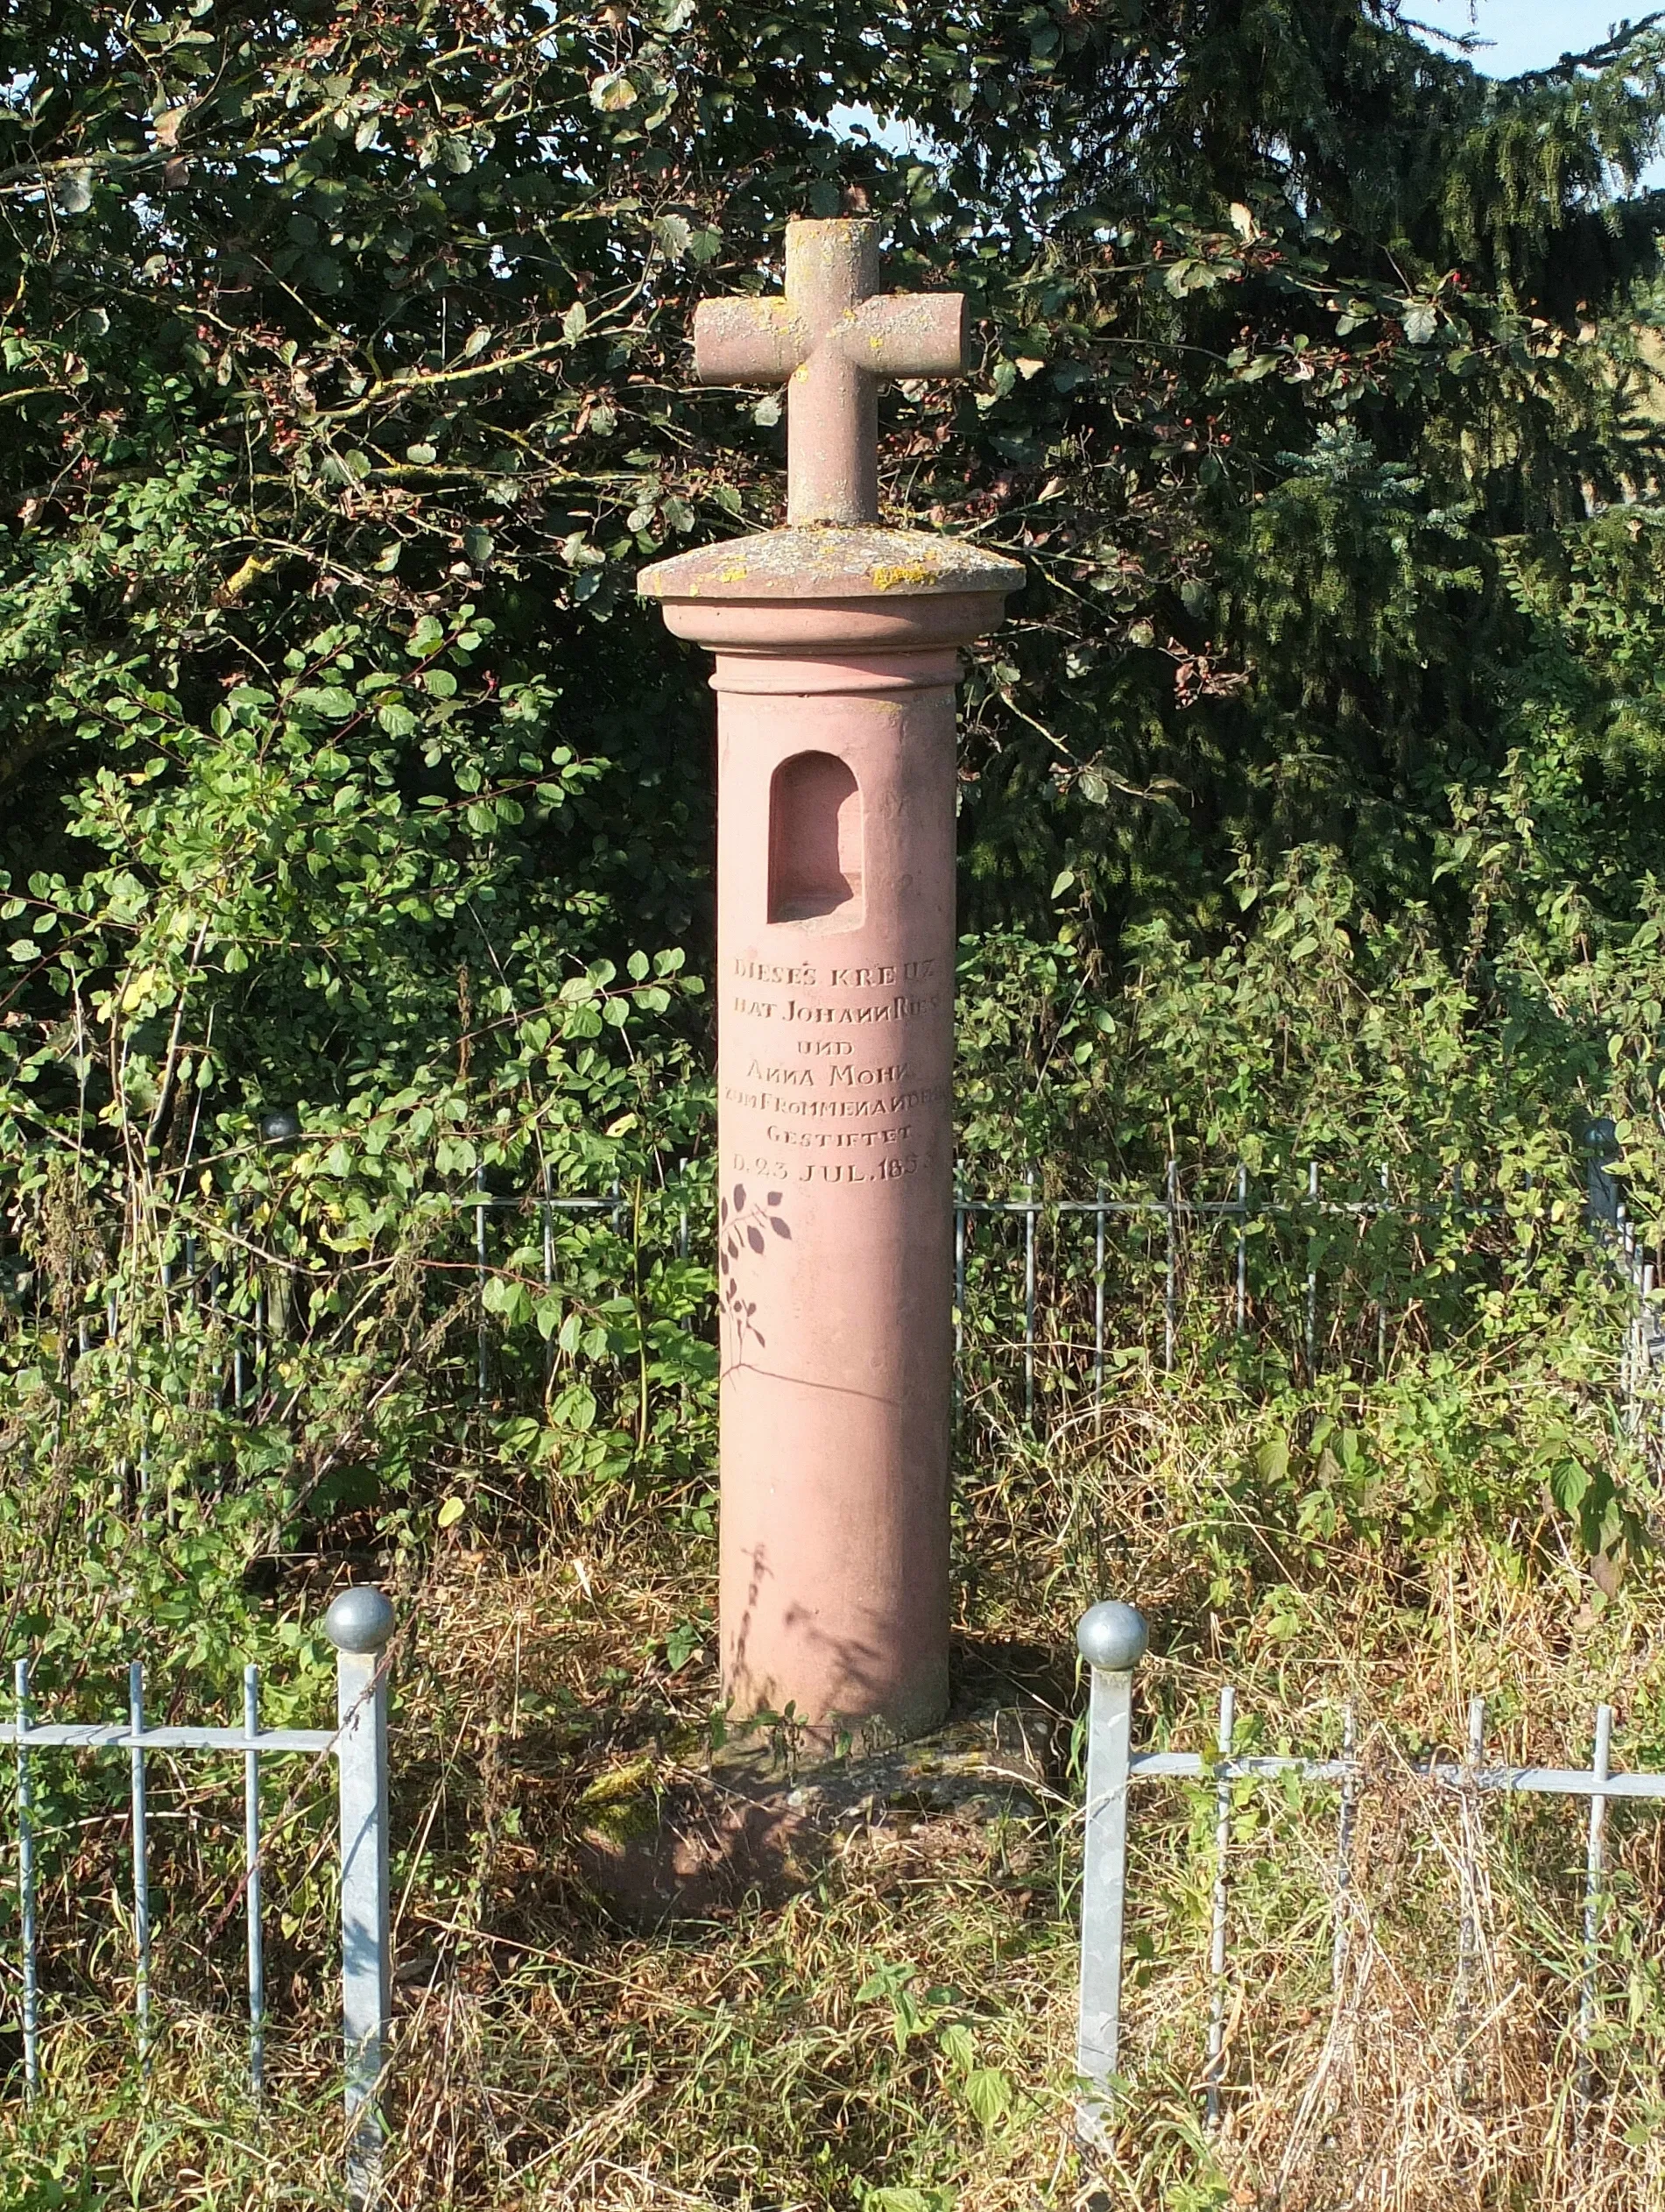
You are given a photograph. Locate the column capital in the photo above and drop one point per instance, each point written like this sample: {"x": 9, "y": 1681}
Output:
{"x": 860, "y": 590}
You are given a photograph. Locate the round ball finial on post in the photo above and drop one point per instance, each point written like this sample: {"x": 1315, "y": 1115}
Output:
{"x": 360, "y": 1620}
{"x": 1112, "y": 1636}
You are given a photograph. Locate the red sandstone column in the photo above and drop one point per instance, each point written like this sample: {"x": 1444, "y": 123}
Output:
{"x": 836, "y": 659}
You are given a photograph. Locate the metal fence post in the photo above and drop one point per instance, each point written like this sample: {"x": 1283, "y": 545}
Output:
{"x": 1170, "y": 1279}
{"x": 1029, "y": 1298}
{"x": 26, "y": 1890}
{"x": 1112, "y": 1640}
{"x": 255, "y": 1932}
{"x": 482, "y": 1360}
{"x": 1595, "y": 1878}
{"x": 358, "y": 1624}
{"x": 141, "y": 1860}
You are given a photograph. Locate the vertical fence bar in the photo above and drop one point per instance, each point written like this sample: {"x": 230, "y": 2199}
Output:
{"x": 239, "y": 1357}
{"x": 550, "y": 1349}
{"x": 1468, "y": 1938}
{"x": 359, "y": 1624}
{"x": 252, "y": 1884}
{"x": 681, "y": 1212}
{"x": 1170, "y": 1282}
{"x": 1112, "y": 1639}
{"x": 141, "y": 1860}
{"x": 1312, "y": 1271}
{"x": 959, "y": 1305}
{"x": 1098, "y": 1303}
{"x": 1243, "y": 1248}
{"x": 211, "y": 1302}
{"x": 1344, "y": 1846}
{"x": 1595, "y": 1869}
{"x": 1642, "y": 1276}
{"x": 26, "y": 1889}
{"x": 1029, "y": 1300}
{"x": 1217, "y": 1937}
{"x": 482, "y": 1376}
{"x": 1381, "y": 1302}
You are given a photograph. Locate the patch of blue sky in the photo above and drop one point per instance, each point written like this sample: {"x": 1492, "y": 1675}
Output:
{"x": 1522, "y": 34}
{"x": 1517, "y": 35}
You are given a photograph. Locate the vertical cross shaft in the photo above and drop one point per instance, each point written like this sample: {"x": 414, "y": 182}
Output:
{"x": 831, "y": 341}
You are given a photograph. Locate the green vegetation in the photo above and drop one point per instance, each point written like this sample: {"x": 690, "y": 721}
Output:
{"x": 354, "y": 843}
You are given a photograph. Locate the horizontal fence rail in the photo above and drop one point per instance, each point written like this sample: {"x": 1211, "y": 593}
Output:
{"x": 359, "y": 1623}
{"x": 1112, "y": 1639}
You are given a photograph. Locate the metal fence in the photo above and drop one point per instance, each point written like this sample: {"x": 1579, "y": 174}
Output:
{"x": 359, "y": 1623}
{"x": 1056, "y": 1294}
{"x": 1112, "y": 1639}
{"x": 1330, "y": 1270}
{"x": 1636, "y": 1269}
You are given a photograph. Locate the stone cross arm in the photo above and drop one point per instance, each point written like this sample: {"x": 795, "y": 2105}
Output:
{"x": 831, "y": 341}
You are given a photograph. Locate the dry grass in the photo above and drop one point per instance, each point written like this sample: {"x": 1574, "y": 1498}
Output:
{"x": 897, "y": 2037}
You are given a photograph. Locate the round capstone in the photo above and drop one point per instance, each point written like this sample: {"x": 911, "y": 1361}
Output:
{"x": 831, "y": 560}
{"x": 1113, "y": 1635}
{"x": 360, "y": 1620}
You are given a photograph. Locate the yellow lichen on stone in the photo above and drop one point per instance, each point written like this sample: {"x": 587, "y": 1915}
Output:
{"x": 894, "y": 579}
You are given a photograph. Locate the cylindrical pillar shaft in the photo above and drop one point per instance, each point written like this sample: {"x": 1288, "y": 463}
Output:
{"x": 835, "y": 938}
{"x": 836, "y": 662}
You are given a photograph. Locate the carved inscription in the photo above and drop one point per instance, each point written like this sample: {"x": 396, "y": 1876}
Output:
{"x": 837, "y": 1100}
{"x": 902, "y": 1008}
{"x": 875, "y": 976}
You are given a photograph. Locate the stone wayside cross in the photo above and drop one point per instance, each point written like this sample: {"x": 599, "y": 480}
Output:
{"x": 837, "y": 653}
{"x": 831, "y": 342}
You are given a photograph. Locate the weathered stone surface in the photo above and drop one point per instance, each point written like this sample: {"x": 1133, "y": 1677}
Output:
{"x": 859, "y": 562}
{"x": 836, "y": 647}
{"x": 831, "y": 341}
{"x": 690, "y": 1844}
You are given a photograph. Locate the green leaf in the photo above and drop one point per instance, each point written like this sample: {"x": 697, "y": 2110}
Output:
{"x": 1569, "y": 1482}
{"x": 987, "y": 2089}
{"x": 613, "y": 91}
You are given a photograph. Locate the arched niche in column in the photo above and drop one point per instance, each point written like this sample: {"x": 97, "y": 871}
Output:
{"x": 815, "y": 842}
